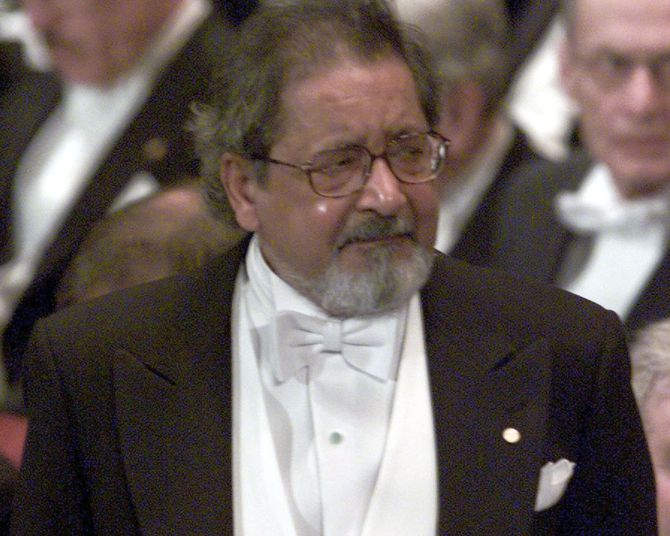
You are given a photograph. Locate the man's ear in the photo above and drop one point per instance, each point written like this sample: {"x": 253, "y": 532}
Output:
{"x": 462, "y": 119}
{"x": 236, "y": 176}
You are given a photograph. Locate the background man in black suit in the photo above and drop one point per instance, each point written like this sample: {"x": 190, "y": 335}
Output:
{"x": 106, "y": 126}
{"x": 332, "y": 374}
{"x": 598, "y": 224}
{"x": 472, "y": 43}
{"x": 530, "y": 19}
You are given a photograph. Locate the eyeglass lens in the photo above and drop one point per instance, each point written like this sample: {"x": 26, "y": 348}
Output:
{"x": 610, "y": 71}
{"x": 412, "y": 158}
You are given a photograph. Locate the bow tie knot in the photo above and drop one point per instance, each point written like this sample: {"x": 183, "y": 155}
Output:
{"x": 302, "y": 330}
{"x": 591, "y": 216}
{"x": 365, "y": 344}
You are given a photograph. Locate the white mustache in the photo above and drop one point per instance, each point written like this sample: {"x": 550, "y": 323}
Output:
{"x": 376, "y": 229}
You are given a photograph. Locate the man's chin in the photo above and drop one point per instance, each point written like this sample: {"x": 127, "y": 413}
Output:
{"x": 381, "y": 279}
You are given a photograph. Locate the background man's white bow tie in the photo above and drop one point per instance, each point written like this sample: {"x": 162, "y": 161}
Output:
{"x": 588, "y": 216}
{"x": 367, "y": 345}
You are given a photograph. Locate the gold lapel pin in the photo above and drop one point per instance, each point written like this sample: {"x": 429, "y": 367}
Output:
{"x": 511, "y": 435}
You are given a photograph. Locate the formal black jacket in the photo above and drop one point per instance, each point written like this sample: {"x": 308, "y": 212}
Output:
{"x": 155, "y": 141}
{"x": 532, "y": 242}
{"x": 477, "y": 240}
{"x": 130, "y": 405}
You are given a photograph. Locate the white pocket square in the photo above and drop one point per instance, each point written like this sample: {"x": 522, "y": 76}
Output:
{"x": 554, "y": 478}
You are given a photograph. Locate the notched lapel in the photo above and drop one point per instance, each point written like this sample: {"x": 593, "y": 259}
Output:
{"x": 490, "y": 416}
{"x": 174, "y": 433}
{"x": 517, "y": 378}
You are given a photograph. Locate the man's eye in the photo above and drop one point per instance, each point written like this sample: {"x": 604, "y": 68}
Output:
{"x": 333, "y": 162}
{"x": 611, "y": 64}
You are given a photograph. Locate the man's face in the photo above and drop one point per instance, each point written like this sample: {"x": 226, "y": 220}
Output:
{"x": 616, "y": 66}
{"x": 376, "y": 242}
{"x": 95, "y": 41}
{"x": 656, "y": 416}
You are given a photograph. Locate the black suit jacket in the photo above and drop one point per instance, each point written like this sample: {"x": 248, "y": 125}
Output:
{"x": 532, "y": 242}
{"x": 529, "y": 20}
{"x": 156, "y": 141}
{"x": 130, "y": 405}
{"x": 476, "y": 242}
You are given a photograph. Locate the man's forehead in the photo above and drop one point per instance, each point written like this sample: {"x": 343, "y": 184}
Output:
{"x": 334, "y": 87}
{"x": 618, "y": 19}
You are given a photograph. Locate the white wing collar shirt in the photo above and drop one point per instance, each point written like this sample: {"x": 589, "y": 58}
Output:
{"x": 332, "y": 418}
{"x": 629, "y": 240}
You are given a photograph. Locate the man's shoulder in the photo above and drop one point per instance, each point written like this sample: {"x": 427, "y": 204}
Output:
{"x": 27, "y": 101}
{"x": 174, "y": 307}
{"x": 504, "y": 301}
{"x": 141, "y": 310}
{"x": 543, "y": 178}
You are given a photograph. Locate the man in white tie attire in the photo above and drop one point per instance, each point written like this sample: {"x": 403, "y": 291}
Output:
{"x": 597, "y": 224}
{"x": 472, "y": 45}
{"x": 105, "y": 126}
{"x": 333, "y": 374}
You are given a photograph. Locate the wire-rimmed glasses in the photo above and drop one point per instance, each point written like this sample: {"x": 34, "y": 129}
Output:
{"x": 413, "y": 158}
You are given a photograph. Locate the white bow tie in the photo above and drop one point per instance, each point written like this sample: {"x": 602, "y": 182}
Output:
{"x": 588, "y": 216}
{"x": 368, "y": 345}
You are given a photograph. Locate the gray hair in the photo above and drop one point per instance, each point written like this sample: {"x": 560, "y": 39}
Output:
{"x": 650, "y": 356}
{"x": 470, "y": 39}
{"x": 284, "y": 42}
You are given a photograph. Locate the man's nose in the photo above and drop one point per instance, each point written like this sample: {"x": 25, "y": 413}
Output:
{"x": 382, "y": 191}
{"x": 644, "y": 92}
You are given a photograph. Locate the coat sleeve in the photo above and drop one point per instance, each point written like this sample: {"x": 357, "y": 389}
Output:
{"x": 612, "y": 491}
{"x": 51, "y": 498}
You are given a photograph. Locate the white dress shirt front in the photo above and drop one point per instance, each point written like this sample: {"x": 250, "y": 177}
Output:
{"x": 308, "y": 451}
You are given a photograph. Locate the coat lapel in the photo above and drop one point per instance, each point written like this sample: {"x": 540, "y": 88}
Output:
{"x": 487, "y": 388}
{"x": 653, "y": 303}
{"x": 527, "y": 220}
{"x": 476, "y": 242}
{"x": 23, "y": 109}
{"x": 173, "y": 406}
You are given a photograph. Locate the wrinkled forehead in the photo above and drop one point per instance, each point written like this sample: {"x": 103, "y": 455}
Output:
{"x": 305, "y": 77}
{"x": 312, "y": 61}
{"x": 620, "y": 24}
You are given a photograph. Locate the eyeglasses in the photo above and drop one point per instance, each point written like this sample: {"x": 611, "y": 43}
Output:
{"x": 610, "y": 70}
{"x": 413, "y": 158}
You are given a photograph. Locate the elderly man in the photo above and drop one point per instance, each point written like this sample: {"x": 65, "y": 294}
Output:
{"x": 332, "y": 374}
{"x": 472, "y": 45}
{"x": 650, "y": 354}
{"x": 105, "y": 126}
{"x": 597, "y": 224}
